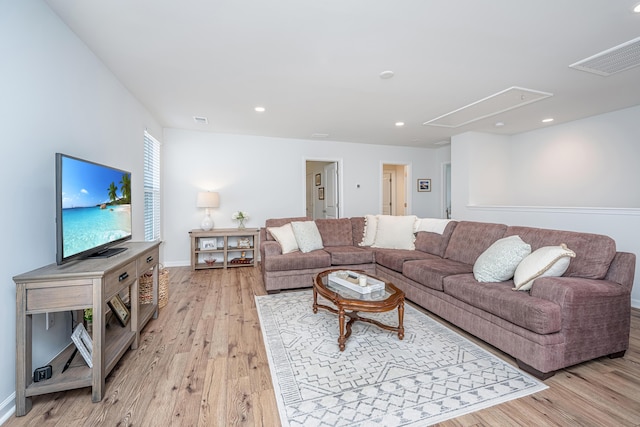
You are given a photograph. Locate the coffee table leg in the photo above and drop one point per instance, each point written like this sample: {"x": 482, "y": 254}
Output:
{"x": 315, "y": 300}
{"x": 342, "y": 338}
{"x": 401, "y": 320}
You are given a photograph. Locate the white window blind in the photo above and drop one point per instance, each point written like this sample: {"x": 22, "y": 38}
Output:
{"x": 151, "y": 188}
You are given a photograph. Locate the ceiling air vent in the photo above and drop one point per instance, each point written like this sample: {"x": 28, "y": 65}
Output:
{"x": 200, "y": 120}
{"x": 497, "y": 103}
{"x": 611, "y": 61}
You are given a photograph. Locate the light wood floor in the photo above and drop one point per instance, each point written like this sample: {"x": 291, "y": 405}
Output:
{"x": 203, "y": 363}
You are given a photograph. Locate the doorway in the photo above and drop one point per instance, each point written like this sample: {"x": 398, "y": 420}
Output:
{"x": 394, "y": 189}
{"x": 446, "y": 190}
{"x": 322, "y": 183}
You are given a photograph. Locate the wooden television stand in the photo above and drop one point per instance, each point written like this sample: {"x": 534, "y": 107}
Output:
{"x": 88, "y": 283}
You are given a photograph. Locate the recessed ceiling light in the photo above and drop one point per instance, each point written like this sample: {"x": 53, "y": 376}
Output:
{"x": 547, "y": 120}
{"x": 399, "y": 124}
{"x": 636, "y": 8}
{"x": 260, "y": 109}
{"x": 386, "y": 74}
{"x": 319, "y": 135}
{"x": 200, "y": 120}
{"x": 499, "y": 124}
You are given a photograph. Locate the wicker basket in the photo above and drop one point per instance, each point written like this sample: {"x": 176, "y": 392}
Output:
{"x": 145, "y": 287}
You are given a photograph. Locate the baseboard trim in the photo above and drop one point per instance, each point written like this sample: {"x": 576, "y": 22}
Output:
{"x": 8, "y": 408}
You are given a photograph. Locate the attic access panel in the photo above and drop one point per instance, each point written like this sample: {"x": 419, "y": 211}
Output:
{"x": 506, "y": 100}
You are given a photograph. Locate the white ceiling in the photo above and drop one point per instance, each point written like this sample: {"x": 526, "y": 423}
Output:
{"x": 315, "y": 64}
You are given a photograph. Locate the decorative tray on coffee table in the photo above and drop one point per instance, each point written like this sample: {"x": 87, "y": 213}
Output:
{"x": 349, "y": 280}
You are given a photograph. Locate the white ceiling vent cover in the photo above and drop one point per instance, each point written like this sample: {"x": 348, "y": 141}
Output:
{"x": 611, "y": 61}
{"x": 497, "y": 103}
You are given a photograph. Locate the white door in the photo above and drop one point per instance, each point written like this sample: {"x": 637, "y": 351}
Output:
{"x": 331, "y": 191}
{"x": 310, "y": 199}
{"x": 387, "y": 192}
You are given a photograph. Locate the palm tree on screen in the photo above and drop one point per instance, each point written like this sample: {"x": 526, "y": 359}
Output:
{"x": 125, "y": 187}
{"x": 113, "y": 192}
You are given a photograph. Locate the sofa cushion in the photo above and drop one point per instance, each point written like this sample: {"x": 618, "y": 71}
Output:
{"x": 470, "y": 239}
{"x": 431, "y": 272}
{"x": 357, "y": 229}
{"x": 548, "y": 261}
{"x": 594, "y": 252}
{"x": 395, "y": 232}
{"x": 285, "y": 237}
{"x": 435, "y": 243}
{"x": 277, "y": 222}
{"x": 346, "y": 255}
{"x": 307, "y": 235}
{"x": 335, "y": 231}
{"x": 297, "y": 261}
{"x": 535, "y": 314}
{"x": 499, "y": 262}
{"x": 395, "y": 258}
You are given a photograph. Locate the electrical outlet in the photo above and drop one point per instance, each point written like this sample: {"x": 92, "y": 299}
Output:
{"x": 49, "y": 320}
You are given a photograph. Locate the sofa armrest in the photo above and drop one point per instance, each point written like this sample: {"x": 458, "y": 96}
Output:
{"x": 595, "y": 314}
{"x": 622, "y": 269}
{"x": 270, "y": 248}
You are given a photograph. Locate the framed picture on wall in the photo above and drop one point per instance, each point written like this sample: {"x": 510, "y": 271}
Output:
{"x": 318, "y": 179}
{"x": 424, "y": 184}
{"x": 321, "y": 193}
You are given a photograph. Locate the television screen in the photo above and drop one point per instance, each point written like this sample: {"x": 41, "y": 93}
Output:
{"x": 93, "y": 208}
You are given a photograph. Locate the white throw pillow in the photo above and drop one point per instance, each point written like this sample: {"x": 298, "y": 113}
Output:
{"x": 499, "y": 262}
{"x": 284, "y": 235}
{"x": 432, "y": 225}
{"x": 395, "y": 232}
{"x": 307, "y": 235}
{"x": 548, "y": 261}
{"x": 370, "y": 227}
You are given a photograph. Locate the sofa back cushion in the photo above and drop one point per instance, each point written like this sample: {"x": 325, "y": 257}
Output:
{"x": 335, "y": 231}
{"x": 357, "y": 229}
{"x": 594, "y": 252}
{"x": 434, "y": 243}
{"x": 469, "y": 239}
{"x": 278, "y": 222}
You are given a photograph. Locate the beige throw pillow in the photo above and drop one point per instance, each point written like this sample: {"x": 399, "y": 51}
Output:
{"x": 285, "y": 237}
{"x": 499, "y": 262}
{"x": 548, "y": 261}
{"x": 370, "y": 227}
{"x": 307, "y": 235}
{"x": 395, "y": 232}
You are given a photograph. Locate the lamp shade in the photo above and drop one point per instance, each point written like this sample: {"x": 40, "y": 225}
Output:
{"x": 208, "y": 199}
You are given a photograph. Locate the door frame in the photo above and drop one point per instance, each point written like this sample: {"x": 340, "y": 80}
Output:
{"x": 445, "y": 190}
{"x": 339, "y": 184}
{"x": 407, "y": 183}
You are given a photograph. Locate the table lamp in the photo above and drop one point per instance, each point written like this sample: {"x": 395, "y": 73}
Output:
{"x": 207, "y": 199}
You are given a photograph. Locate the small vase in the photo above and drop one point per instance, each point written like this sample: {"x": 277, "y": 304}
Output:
{"x": 241, "y": 224}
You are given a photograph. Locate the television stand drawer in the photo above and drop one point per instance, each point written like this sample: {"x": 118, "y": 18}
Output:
{"x": 118, "y": 279}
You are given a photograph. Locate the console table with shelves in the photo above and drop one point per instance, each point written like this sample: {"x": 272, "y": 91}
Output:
{"x": 88, "y": 283}
{"x": 224, "y": 247}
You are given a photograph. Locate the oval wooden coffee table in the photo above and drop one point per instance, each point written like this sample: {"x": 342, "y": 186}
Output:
{"x": 348, "y": 303}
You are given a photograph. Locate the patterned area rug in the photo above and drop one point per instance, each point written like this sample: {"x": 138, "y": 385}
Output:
{"x": 431, "y": 376}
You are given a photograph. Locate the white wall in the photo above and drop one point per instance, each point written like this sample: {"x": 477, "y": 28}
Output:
{"x": 578, "y": 176}
{"x": 56, "y": 96}
{"x": 266, "y": 177}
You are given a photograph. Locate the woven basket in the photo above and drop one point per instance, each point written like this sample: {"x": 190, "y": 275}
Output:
{"x": 145, "y": 287}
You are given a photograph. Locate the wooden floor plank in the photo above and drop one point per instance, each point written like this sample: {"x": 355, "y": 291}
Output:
{"x": 202, "y": 362}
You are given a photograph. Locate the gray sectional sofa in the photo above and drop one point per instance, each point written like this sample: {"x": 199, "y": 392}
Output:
{"x": 559, "y": 322}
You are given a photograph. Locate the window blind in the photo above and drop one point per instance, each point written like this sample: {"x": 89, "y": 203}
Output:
{"x": 151, "y": 188}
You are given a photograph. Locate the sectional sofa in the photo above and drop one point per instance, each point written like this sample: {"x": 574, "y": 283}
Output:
{"x": 559, "y": 322}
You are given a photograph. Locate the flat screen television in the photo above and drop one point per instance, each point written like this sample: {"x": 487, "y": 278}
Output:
{"x": 93, "y": 209}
